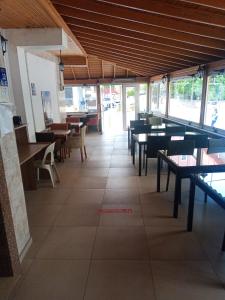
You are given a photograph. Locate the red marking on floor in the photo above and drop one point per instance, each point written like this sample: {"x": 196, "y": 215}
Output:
{"x": 115, "y": 211}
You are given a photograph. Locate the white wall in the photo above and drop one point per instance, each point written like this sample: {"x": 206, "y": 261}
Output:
{"x": 43, "y": 73}
{"x": 9, "y": 156}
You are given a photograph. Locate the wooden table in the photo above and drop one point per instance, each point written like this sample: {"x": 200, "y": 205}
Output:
{"x": 76, "y": 125}
{"x": 27, "y": 154}
{"x": 142, "y": 139}
{"x": 184, "y": 166}
{"x": 61, "y": 133}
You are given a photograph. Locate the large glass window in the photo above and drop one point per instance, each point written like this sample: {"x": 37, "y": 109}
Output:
{"x": 185, "y": 98}
{"x": 81, "y": 98}
{"x": 215, "y": 104}
{"x": 158, "y": 97}
{"x": 143, "y": 97}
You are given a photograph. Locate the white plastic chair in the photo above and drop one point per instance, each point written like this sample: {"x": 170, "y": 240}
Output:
{"x": 78, "y": 142}
{"x": 47, "y": 164}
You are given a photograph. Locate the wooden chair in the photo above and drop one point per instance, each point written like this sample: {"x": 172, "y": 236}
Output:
{"x": 200, "y": 140}
{"x": 175, "y": 128}
{"x": 48, "y": 164}
{"x": 180, "y": 147}
{"x": 134, "y": 123}
{"x": 78, "y": 142}
{"x": 59, "y": 126}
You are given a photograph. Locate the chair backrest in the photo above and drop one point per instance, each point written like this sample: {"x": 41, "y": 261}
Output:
{"x": 142, "y": 129}
{"x": 155, "y": 121}
{"x": 181, "y": 147}
{"x": 72, "y": 120}
{"x": 216, "y": 146}
{"x": 59, "y": 126}
{"x": 134, "y": 123}
{"x": 201, "y": 140}
{"x": 42, "y": 137}
{"x": 156, "y": 143}
{"x": 78, "y": 141}
{"x": 175, "y": 128}
{"x": 49, "y": 151}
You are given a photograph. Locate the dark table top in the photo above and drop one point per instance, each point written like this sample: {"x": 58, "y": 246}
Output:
{"x": 199, "y": 162}
{"x": 142, "y": 138}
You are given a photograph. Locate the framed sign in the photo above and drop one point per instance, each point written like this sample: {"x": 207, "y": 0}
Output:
{"x": 3, "y": 77}
{"x": 33, "y": 89}
{"x": 47, "y": 106}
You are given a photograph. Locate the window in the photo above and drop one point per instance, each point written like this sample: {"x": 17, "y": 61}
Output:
{"x": 215, "y": 104}
{"x": 143, "y": 97}
{"x": 158, "y": 97}
{"x": 81, "y": 98}
{"x": 185, "y": 98}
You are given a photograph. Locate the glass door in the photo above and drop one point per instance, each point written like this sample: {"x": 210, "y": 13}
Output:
{"x": 130, "y": 104}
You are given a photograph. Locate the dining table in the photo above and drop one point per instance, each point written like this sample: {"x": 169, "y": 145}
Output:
{"x": 142, "y": 139}
{"x": 184, "y": 166}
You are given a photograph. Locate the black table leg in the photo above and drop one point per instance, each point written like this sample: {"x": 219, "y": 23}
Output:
{"x": 128, "y": 132}
{"x": 140, "y": 156}
{"x": 158, "y": 173}
{"x": 191, "y": 205}
{"x": 177, "y": 196}
{"x": 223, "y": 245}
{"x": 133, "y": 150}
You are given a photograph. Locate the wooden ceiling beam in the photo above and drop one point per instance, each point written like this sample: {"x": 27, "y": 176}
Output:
{"x": 114, "y": 71}
{"x": 218, "y": 4}
{"x": 142, "y": 45}
{"x": 138, "y": 49}
{"x": 74, "y": 75}
{"x": 88, "y": 70}
{"x": 89, "y": 10}
{"x": 130, "y": 61}
{"x": 132, "y": 55}
{"x": 178, "y": 10}
{"x": 124, "y": 33}
{"x": 103, "y": 70}
{"x": 151, "y": 57}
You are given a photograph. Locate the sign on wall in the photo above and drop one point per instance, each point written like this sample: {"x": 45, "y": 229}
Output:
{"x": 3, "y": 85}
{"x": 47, "y": 106}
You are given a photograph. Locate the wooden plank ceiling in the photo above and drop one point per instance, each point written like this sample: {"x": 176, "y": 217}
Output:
{"x": 148, "y": 37}
{"x": 80, "y": 69}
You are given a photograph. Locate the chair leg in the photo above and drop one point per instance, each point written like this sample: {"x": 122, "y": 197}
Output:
{"x": 146, "y": 166}
{"x": 81, "y": 154}
{"x": 85, "y": 152}
{"x": 50, "y": 170}
{"x": 38, "y": 174}
{"x": 56, "y": 172}
{"x": 168, "y": 180}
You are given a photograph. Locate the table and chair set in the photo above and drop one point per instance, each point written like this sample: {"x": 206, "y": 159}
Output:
{"x": 187, "y": 154}
{"x": 54, "y": 143}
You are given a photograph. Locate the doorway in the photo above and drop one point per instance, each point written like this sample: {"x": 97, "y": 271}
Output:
{"x": 112, "y": 105}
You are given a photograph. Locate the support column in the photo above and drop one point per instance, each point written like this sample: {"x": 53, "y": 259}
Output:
{"x": 99, "y": 108}
{"x": 204, "y": 96}
{"x": 167, "y": 95}
{"x": 148, "y": 96}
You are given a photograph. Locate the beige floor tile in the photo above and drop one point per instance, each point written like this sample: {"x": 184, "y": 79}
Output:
{"x": 123, "y": 196}
{"x": 42, "y": 214}
{"x": 68, "y": 243}
{"x": 173, "y": 243}
{"x": 90, "y": 183}
{"x": 94, "y": 172}
{"x": 38, "y": 235}
{"x": 186, "y": 280}
{"x": 160, "y": 213}
{"x": 121, "y": 243}
{"x": 120, "y": 172}
{"x": 54, "y": 279}
{"x": 85, "y": 195}
{"x": 121, "y": 215}
{"x": 48, "y": 196}
{"x": 80, "y": 214}
{"x": 122, "y": 183}
{"x": 120, "y": 280}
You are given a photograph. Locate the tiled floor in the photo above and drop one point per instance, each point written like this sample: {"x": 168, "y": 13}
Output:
{"x": 105, "y": 234}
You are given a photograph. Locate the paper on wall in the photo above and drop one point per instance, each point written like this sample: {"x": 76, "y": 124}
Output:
{"x": 6, "y": 115}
